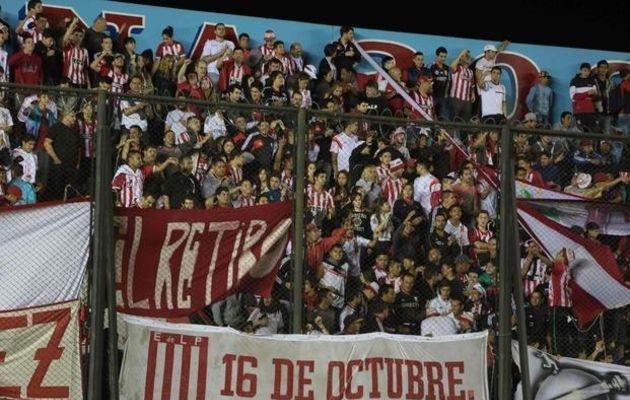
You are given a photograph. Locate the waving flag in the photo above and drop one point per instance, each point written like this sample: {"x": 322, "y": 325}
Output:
{"x": 596, "y": 280}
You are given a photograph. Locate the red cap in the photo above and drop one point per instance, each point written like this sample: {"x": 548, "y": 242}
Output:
{"x": 15, "y": 191}
{"x": 311, "y": 226}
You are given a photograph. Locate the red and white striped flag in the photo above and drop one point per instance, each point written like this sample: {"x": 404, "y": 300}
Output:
{"x": 185, "y": 355}
{"x": 596, "y": 280}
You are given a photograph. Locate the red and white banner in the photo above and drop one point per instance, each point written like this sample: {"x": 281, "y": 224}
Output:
{"x": 525, "y": 190}
{"x": 613, "y": 219}
{"x": 40, "y": 353}
{"x": 175, "y": 361}
{"x": 554, "y": 377}
{"x": 173, "y": 263}
{"x": 43, "y": 253}
{"x": 596, "y": 280}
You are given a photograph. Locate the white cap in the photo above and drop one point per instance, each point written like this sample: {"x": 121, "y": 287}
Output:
{"x": 583, "y": 180}
{"x": 489, "y": 47}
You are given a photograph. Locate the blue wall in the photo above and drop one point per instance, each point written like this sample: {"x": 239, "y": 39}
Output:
{"x": 522, "y": 61}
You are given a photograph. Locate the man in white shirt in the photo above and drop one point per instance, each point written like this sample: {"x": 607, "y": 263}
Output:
{"x": 216, "y": 51}
{"x": 342, "y": 146}
{"x": 177, "y": 119}
{"x": 485, "y": 64}
{"x": 426, "y": 188}
{"x": 493, "y": 104}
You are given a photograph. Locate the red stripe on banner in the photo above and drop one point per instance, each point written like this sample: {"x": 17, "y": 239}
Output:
{"x": 167, "y": 382}
{"x": 185, "y": 375}
{"x": 586, "y": 307}
{"x": 600, "y": 253}
{"x": 151, "y": 362}
{"x": 202, "y": 369}
{"x": 13, "y": 322}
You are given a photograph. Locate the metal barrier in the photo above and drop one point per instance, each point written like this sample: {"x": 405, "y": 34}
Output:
{"x": 444, "y": 257}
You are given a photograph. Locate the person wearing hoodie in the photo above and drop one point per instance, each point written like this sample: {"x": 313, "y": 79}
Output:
{"x": 584, "y": 93}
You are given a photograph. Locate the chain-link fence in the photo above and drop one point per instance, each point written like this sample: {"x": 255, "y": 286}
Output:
{"x": 572, "y": 196}
{"x": 47, "y": 154}
{"x": 400, "y": 224}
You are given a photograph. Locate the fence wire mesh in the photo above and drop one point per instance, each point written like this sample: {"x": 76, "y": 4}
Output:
{"x": 401, "y": 217}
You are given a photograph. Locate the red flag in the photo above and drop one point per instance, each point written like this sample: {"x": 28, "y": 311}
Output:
{"x": 596, "y": 281}
{"x": 173, "y": 263}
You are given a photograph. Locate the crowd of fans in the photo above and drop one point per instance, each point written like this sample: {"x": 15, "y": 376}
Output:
{"x": 401, "y": 227}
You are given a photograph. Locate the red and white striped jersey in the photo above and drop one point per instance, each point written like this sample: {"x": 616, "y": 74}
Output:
{"x": 297, "y": 64}
{"x": 175, "y": 49}
{"x": 128, "y": 183}
{"x": 287, "y": 66}
{"x": 319, "y": 200}
{"x": 236, "y": 173}
{"x": 462, "y": 84}
{"x": 535, "y": 276}
{"x": 425, "y": 103}
{"x": 391, "y": 189}
{"x": 242, "y": 201}
{"x": 37, "y": 36}
{"x": 478, "y": 235}
{"x": 286, "y": 179}
{"x": 203, "y": 165}
{"x": 75, "y": 64}
{"x": 87, "y": 130}
{"x": 236, "y": 74}
{"x": 382, "y": 172}
{"x": 559, "y": 291}
{"x": 119, "y": 80}
{"x": 267, "y": 51}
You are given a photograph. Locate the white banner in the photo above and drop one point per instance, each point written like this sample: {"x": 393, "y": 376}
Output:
{"x": 572, "y": 379}
{"x": 172, "y": 361}
{"x": 40, "y": 353}
{"x": 43, "y": 253}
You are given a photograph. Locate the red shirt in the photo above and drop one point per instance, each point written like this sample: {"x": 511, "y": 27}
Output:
{"x": 27, "y": 68}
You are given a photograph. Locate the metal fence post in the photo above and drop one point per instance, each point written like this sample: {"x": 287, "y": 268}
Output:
{"x": 102, "y": 202}
{"x": 298, "y": 222}
{"x": 507, "y": 259}
{"x": 517, "y": 292}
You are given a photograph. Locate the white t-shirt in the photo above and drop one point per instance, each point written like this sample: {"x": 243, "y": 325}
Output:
{"x": 176, "y": 119}
{"x": 485, "y": 65}
{"x": 492, "y": 98}
{"x": 459, "y": 232}
{"x": 214, "y": 47}
{"x": 342, "y": 145}
{"x": 423, "y": 188}
{"x": 132, "y": 119}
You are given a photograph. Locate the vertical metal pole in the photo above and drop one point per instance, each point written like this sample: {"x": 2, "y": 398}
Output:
{"x": 101, "y": 255}
{"x": 517, "y": 290}
{"x": 507, "y": 263}
{"x": 106, "y": 174}
{"x": 298, "y": 222}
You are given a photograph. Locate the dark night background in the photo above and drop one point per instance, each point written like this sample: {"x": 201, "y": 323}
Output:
{"x": 595, "y": 25}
